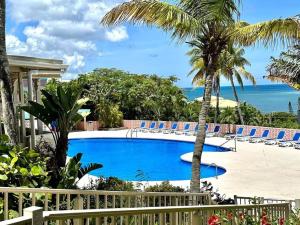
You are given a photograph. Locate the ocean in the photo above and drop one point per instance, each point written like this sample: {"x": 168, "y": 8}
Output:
{"x": 267, "y": 98}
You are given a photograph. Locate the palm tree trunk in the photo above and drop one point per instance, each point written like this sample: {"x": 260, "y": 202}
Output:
{"x": 217, "y": 113}
{"x": 195, "y": 181}
{"x": 5, "y": 83}
{"x": 237, "y": 100}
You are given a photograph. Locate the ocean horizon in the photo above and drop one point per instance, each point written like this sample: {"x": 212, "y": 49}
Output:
{"x": 267, "y": 98}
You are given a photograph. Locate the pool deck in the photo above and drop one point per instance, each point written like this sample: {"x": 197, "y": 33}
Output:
{"x": 254, "y": 170}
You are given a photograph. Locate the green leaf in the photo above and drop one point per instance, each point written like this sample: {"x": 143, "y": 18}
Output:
{"x": 13, "y": 161}
{"x": 3, "y": 177}
{"x": 24, "y": 171}
{"x": 37, "y": 170}
{"x": 12, "y": 153}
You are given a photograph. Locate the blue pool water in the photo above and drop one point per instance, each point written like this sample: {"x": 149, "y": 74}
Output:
{"x": 156, "y": 160}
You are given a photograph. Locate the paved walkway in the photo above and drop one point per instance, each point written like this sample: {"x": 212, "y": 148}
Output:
{"x": 254, "y": 170}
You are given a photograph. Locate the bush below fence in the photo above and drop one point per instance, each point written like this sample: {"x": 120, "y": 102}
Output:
{"x": 225, "y": 128}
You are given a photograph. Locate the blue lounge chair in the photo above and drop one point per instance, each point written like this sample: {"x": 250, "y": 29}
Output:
{"x": 160, "y": 128}
{"x": 151, "y": 127}
{"x": 173, "y": 128}
{"x": 215, "y": 132}
{"x": 142, "y": 126}
{"x": 275, "y": 141}
{"x": 193, "y": 131}
{"x": 247, "y": 137}
{"x": 185, "y": 130}
{"x": 262, "y": 138}
{"x": 239, "y": 133}
{"x": 290, "y": 143}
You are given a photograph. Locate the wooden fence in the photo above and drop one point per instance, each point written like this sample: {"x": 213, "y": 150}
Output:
{"x": 63, "y": 199}
{"x": 185, "y": 215}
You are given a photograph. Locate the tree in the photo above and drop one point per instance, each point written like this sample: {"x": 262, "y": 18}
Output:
{"x": 213, "y": 23}
{"x": 5, "y": 83}
{"x": 59, "y": 112}
{"x": 287, "y": 67}
{"x": 232, "y": 65}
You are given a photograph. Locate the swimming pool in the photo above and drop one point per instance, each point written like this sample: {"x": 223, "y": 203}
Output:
{"x": 152, "y": 159}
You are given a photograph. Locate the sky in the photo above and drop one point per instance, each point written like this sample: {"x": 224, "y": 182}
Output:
{"x": 71, "y": 30}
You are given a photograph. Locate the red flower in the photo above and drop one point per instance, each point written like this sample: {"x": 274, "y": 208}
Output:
{"x": 264, "y": 219}
{"x": 229, "y": 216}
{"x": 213, "y": 220}
{"x": 242, "y": 216}
{"x": 281, "y": 221}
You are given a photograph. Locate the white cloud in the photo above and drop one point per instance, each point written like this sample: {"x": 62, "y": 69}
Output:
{"x": 116, "y": 34}
{"x": 68, "y": 29}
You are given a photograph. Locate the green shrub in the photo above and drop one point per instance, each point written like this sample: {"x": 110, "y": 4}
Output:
{"x": 109, "y": 115}
{"x": 164, "y": 186}
{"x": 112, "y": 184}
{"x": 21, "y": 166}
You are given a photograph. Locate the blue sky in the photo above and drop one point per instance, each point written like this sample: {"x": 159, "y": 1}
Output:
{"x": 70, "y": 30}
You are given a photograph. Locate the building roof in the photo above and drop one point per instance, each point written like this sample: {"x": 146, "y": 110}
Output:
{"x": 44, "y": 68}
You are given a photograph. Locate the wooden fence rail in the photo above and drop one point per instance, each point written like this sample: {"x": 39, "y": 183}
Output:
{"x": 62, "y": 199}
{"x": 183, "y": 215}
{"x": 242, "y": 200}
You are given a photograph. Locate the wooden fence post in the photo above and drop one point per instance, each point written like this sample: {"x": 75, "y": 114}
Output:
{"x": 297, "y": 204}
{"x": 78, "y": 205}
{"x": 196, "y": 219}
{"x": 36, "y": 213}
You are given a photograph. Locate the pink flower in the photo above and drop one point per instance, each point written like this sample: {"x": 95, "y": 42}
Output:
{"x": 213, "y": 220}
{"x": 281, "y": 221}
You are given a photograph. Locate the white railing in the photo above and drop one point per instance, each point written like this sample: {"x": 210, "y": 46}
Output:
{"x": 242, "y": 200}
{"x": 185, "y": 215}
{"x": 64, "y": 199}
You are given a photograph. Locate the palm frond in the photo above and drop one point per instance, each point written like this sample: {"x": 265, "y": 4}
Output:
{"x": 151, "y": 12}
{"x": 269, "y": 33}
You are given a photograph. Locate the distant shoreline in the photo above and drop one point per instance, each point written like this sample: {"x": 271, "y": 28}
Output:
{"x": 266, "y": 98}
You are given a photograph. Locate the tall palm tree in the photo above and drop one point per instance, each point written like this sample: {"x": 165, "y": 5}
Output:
{"x": 213, "y": 21}
{"x": 287, "y": 67}
{"x": 232, "y": 66}
{"x": 5, "y": 82}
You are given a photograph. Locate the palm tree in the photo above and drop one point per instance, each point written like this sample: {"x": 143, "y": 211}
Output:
{"x": 214, "y": 24}
{"x": 5, "y": 83}
{"x": 287, "y": 67}
{"x": 232, "y": 65}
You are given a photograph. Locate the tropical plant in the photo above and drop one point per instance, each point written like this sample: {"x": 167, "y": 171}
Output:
{"x": 72, "y": 173}
{"x": 9, "y": 118}
{"x": 59, "y": 112}
{"x": 138, "y": 96}
{"x": 21, "y": 166}
{"x": 231, "y": 65}
{"x": 112, "y": 184}
{"x": 287, "y": 67}
{"x": 228, "y": 116}
{"x": 213, "y": 24}
{"x": 109, "y": 115}
{"x": 164, "y": 186}
{"x": 251, "y": 115}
